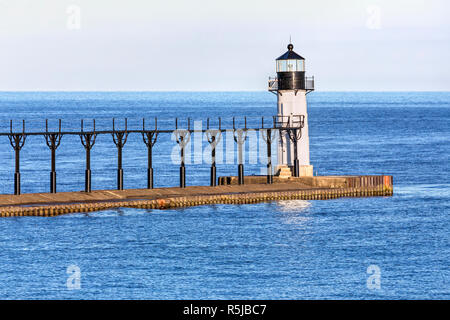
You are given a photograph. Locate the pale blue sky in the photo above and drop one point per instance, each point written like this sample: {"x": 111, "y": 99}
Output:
{"x": 154, "y": 45}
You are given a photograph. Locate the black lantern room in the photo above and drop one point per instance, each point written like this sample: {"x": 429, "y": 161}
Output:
{"x": 291, "y": 71}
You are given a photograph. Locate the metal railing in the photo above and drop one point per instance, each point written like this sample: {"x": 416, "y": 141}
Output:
{"x": 309, "y": 83}
{"x": 292, "y": 125}
{"x": 273, "y": 84}
{"x": 289, "y": 122}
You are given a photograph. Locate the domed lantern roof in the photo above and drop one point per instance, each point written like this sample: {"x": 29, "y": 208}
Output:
{"x": 290, "y": 61}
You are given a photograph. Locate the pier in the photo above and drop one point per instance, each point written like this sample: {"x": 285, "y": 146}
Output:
{"x": 239, "y": 189}
{"x": 229, "y": 192}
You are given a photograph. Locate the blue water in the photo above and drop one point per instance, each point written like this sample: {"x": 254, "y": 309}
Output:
{"x": 280, "y": 250}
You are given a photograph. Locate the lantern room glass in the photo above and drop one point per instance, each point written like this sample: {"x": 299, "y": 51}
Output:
{"x": 290, "y": 65}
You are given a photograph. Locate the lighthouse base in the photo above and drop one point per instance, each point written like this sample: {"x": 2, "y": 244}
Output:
{"x": 306, "y": 171}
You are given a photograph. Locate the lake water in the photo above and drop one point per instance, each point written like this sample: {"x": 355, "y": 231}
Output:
{"x": 279, "y": 250}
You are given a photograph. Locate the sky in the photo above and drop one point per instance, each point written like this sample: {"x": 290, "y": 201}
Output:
{"x": 198, "y": 45}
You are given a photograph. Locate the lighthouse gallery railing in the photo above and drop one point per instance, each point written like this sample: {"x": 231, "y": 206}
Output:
{"x": 273, "y": 83}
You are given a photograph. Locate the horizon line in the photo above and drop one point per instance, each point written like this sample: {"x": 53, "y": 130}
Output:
{"x": 200, "y": 91}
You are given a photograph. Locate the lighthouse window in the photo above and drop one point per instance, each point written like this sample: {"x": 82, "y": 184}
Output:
{"x": 291, "y": 65}
{"x": 281, "y": 66}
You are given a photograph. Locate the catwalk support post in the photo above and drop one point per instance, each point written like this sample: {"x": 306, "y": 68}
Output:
{"x": 149, "y": 137}
{"x": 53, "y": 140}
{"x": 213, "y": 137}
{"x": 17, "y": 140}
{"x": 120, "y": 138}
{"x": 182, "y": 136}
{"x": 268, "y": 135}
{"x": 295, "y": 125}
{"x": 240, "y": 135}
{"x": 88, "y": 141}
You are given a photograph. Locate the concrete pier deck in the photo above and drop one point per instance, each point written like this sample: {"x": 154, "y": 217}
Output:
{"x": 311, "y": 188}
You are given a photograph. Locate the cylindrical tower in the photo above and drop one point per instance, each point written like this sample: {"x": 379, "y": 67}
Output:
{"x": 291, "y": 87}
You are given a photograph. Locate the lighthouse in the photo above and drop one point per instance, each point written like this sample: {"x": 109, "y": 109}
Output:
{"x": 291, "y": 87}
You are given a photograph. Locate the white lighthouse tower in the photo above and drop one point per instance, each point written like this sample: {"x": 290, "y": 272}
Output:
{"x": 291, "y": 87}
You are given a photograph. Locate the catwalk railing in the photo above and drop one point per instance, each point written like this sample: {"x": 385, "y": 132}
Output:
{"x": 150, "y": 129}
